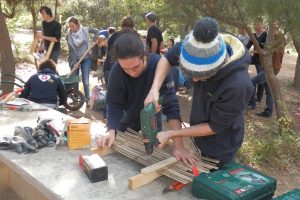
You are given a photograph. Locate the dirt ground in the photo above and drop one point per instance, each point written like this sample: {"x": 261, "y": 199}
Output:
{"x": 286, "y": 180}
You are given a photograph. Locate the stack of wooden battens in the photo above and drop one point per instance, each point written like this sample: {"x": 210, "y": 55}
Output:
{"x": 131, "y": 145}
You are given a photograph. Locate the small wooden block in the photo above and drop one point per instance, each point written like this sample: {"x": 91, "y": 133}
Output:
{"x": 139, "y": 180}
{"x": 158, "y": 165}
{"x": 103, "y": 151}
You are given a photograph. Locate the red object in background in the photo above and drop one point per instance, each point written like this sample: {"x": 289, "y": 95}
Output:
{"x": 16, "y": 92}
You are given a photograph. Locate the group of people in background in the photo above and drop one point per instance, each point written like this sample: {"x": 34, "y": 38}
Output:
{"x": 136, "y": 74}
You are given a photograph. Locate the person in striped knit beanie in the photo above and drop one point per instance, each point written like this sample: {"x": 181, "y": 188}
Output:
{"x": 217, "y": 64}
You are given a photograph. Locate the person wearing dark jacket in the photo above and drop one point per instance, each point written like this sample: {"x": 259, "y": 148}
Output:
{"x": 129, "y": 82}
{"x": 45, "y": 87}
{"x": 127, "y": 23}
{"x": 222, "y": 88}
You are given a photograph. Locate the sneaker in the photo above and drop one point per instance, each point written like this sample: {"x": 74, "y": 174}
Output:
{"x": 251, "y": 107}
{"x": 265, "y": 113}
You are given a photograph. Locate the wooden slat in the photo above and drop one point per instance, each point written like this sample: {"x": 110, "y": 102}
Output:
{"x": 139, "y": 180}
{"x": 49, "y": 51}
{"x": 158, "y": 165}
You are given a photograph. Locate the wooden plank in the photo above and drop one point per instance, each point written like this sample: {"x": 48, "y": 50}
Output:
{"x": 158, "y": 165}
{"x": 139, "y": 180}
{"x": 23, "y": 188}
{"x": 34, "y": 46}
{"x": 48, "y": 53}
{"x": 103, "y": 151}
{"x": 4, "y": 173}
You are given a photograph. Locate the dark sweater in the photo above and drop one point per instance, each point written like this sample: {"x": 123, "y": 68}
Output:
{"x": 220, "y": 102}
{"x": 126, "y": 95}
{"x": 52, "y": 29}
{"x": 45, "y": 87}
{"x": 261, "y": 41}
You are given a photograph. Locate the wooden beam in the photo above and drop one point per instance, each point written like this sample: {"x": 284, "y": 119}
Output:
{"x": 103, "y": 151}
{"x": 158, "y": 165}
{"x": 4, "y": 173}
{"x": 139, "y": 180}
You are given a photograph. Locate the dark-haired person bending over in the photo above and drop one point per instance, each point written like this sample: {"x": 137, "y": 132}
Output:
{"x": 129, "y": 83}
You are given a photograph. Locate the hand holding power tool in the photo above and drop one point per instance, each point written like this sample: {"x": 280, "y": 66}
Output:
{"x": 149, "y": 125}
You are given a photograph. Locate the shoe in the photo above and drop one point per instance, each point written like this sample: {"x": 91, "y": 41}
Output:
{"x": 265, "y": 113}
{"x": 251, "y": 107}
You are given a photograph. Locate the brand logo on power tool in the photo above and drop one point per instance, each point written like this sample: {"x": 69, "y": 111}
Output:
{"x": 236, "y": 171}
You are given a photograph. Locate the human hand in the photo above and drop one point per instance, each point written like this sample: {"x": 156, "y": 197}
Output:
{"x": 184, "y": 155}
{"x": 152, "y": 97}
{"x": 99, "y": 61}
{"x": 107, "y": 138}
{"x": 163, "y": 138}
{"x": 39, "y": 35}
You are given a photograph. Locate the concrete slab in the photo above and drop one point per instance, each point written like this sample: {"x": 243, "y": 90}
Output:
{"x": 56, "y": 174}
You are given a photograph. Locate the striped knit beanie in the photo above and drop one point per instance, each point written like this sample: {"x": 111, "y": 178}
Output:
{"x": 203, "y": 52}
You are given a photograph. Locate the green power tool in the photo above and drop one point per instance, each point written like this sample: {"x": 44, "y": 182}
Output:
{"x": 149, "y": 125}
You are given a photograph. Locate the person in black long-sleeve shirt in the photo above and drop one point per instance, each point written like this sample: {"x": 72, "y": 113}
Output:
{"x": 261, "y": 37}
{"x": 51, "y": 32}
{"x": 129, "y": 83}
{"x": 45, "y": 87}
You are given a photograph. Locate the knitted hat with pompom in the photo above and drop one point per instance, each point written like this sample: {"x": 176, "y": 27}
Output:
{"x": 203, "y": 52}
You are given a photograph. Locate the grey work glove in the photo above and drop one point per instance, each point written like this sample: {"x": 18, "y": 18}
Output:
{"x": 26, "y": 134}
{"x": 20, "y": 145}
{"x": 4, "y": 143}
{"x": 42, "y": 134}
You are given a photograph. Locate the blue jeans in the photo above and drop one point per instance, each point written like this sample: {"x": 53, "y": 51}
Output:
{"x": 261, "y": 79}
{"x": 106, "y": 77}
{"x": 259, "y": 68}
{"x": 85, "y": 67}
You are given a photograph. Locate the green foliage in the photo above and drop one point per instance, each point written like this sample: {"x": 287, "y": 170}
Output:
{"x": 279, "y": 150}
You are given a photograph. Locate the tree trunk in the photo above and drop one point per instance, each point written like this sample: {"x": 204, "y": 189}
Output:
{"x": 296, "y": 41}
{"x": 265, "y": 56}
{"x": 8, "y": 62}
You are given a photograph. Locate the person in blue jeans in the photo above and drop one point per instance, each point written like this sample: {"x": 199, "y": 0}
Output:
{"x": 261, "y": 37}
{"x": 260, "y": 79}
{"x": 78, "y": 42}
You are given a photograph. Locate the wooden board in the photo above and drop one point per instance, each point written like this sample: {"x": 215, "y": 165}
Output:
{"x": 3, "y": 176}
{"x": 102, "y": 152}
{"x": 158, "y": 165}
{"x": 139, "y": 180}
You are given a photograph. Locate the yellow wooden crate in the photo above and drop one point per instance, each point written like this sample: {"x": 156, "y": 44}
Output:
{"x": 79, "y": 136}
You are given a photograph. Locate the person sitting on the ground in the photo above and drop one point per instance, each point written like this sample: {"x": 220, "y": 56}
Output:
{"x": 129, "y": 82}
{"x": 218, "y": 65}
{"x": 45, "y": 87}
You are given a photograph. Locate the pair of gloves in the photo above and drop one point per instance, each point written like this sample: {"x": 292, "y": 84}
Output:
{"x": 27, "y": 140}
{"x": 21, "y": 142}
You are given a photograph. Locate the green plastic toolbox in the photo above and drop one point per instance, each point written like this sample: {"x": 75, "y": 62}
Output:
{"x": 234, "y": 181}
{"x": 291, "y": 195}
